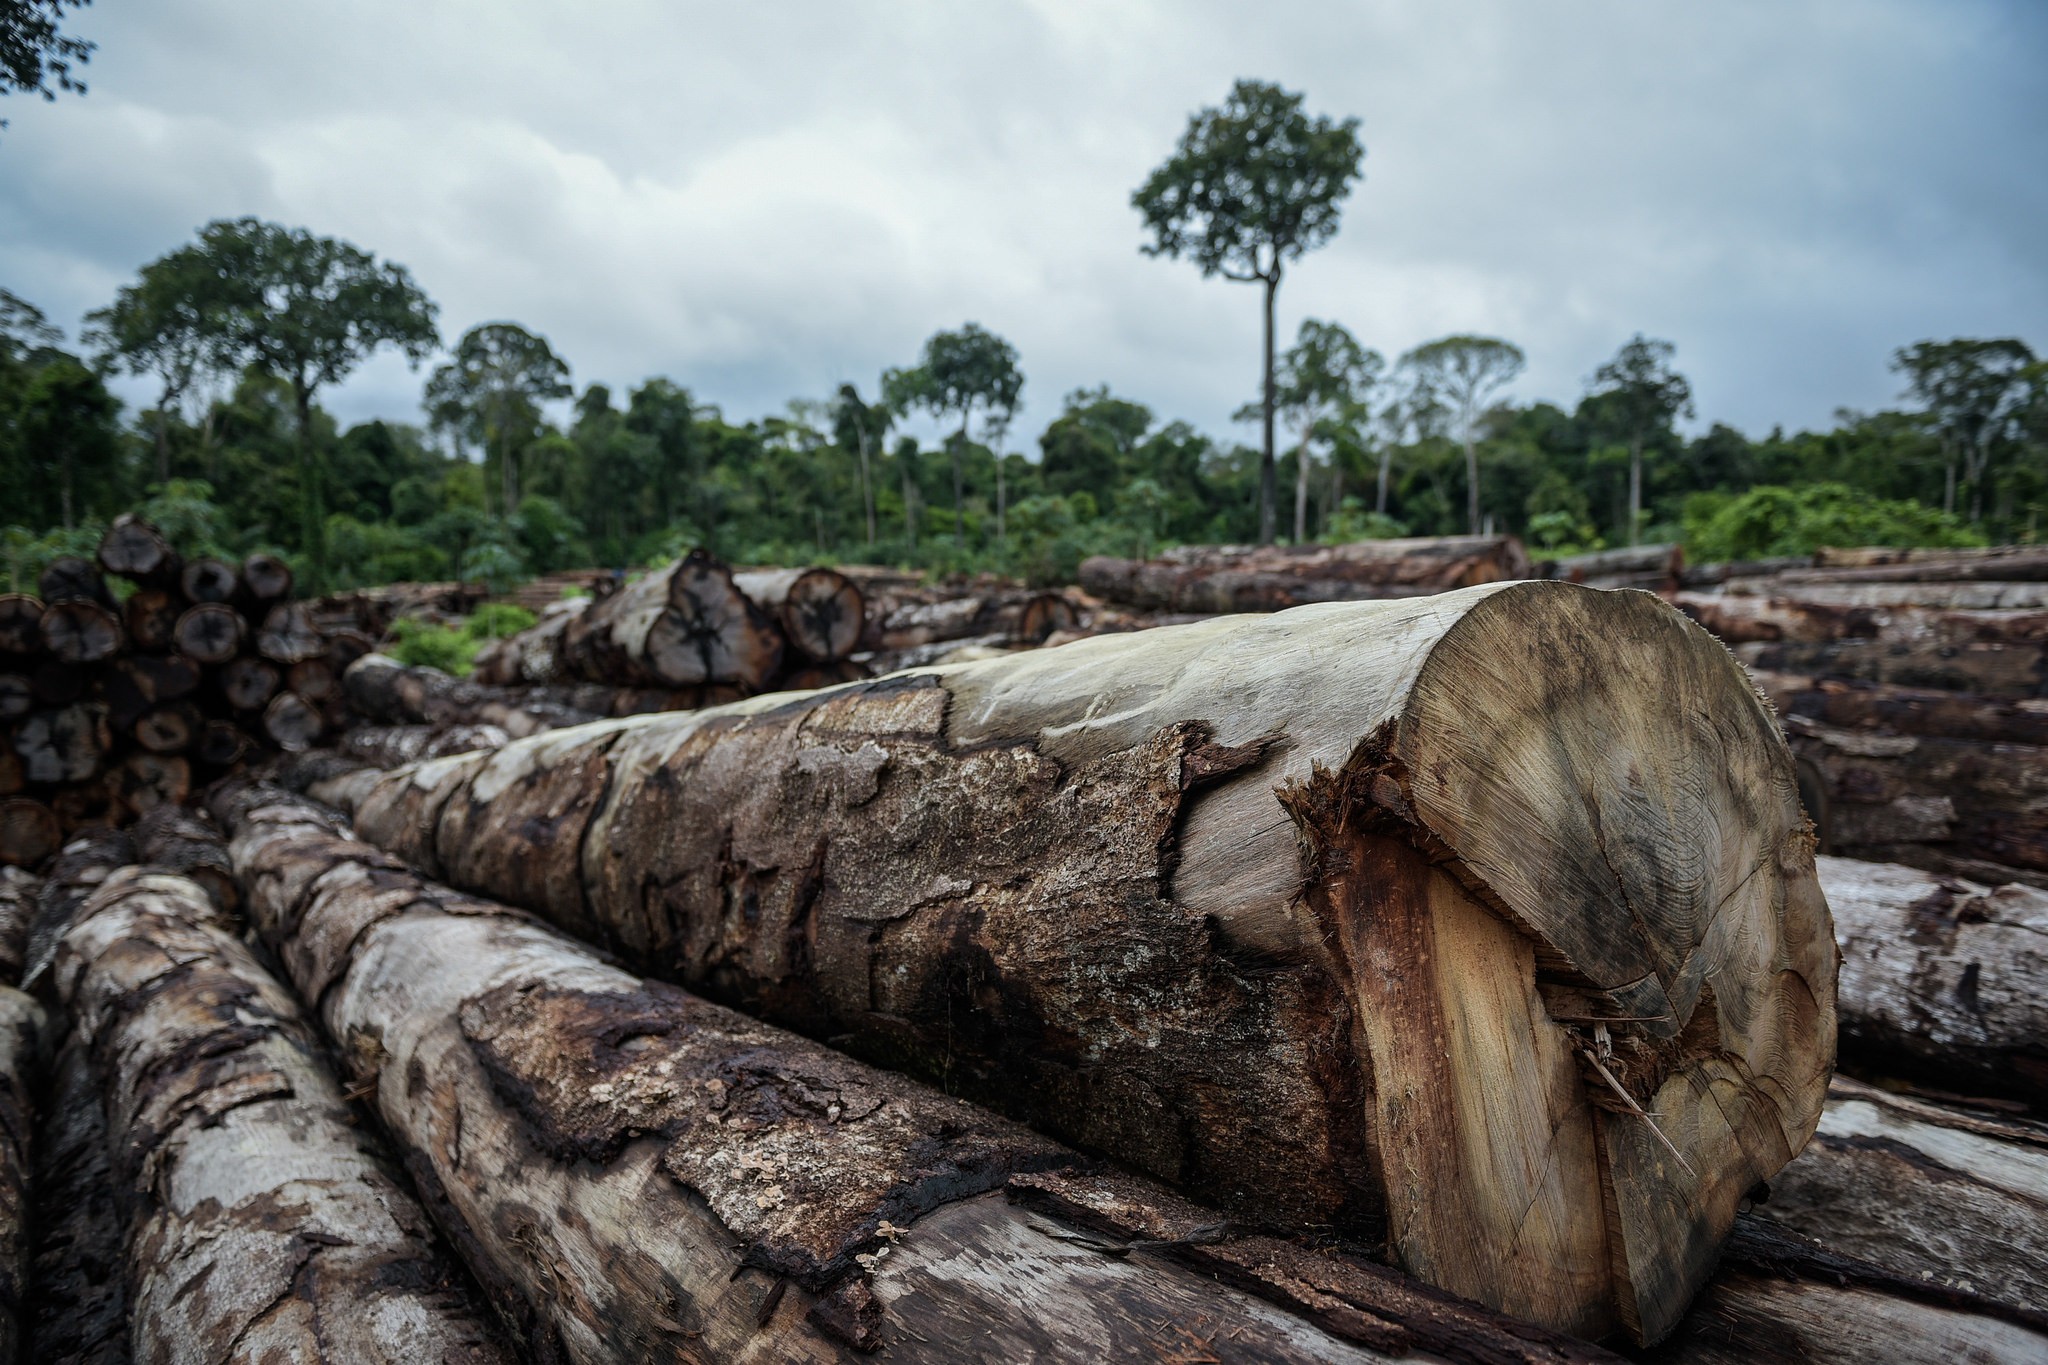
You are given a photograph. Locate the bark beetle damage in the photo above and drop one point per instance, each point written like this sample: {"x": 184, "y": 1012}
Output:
{"x": 801, "y": 1153}
{"x": 991, "y": 919}
{"x": 1347, "y": 1296}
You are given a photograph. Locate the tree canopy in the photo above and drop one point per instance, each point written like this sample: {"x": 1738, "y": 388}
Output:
{"x": 1639, "y": 394}
{"x": 1466, "y": 371}
{"x": 36, "y": 57}
{"x": 959, "y": 372}
{"x": 492, "y": 392}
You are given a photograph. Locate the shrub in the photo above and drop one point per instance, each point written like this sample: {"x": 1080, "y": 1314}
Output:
{"x": 1771, "y": 520}
{"x": 423, "y": 645}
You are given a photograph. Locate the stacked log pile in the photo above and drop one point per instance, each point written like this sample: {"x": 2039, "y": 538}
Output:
{"x": 1208, "y": 579}
{"x": 111, "y": 706}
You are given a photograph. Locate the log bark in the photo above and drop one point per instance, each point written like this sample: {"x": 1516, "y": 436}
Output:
{"x": 188, "y": 843}
{"x": 21, "y": 1028}
{"x": 78, "y": 632}
{"x": 533, "y": 655}
{"x": 1657, "y": 568}
{"x": 392, "y": 746}
{"x": 21, "y": 621}
{"x": 150, "y": 617}
{"x": 135, "y": 550}
{"x": 1942, "y": 979}
{"x": 1239, "y": 578}
{"x": 1928, "y": 1191}
{"x": 71, "y": 579}
{"x": 146, "y": 781}
{"x": 248, "y": 683}
{"x": 239, "y": 1163}
{"x": 78, "y": 1301}
{"x": 1781, "y": 1297}
{"x": 292, "y": 722}
{"x": 19, "y": 890}
{"x": 210, "y": 580}
{"x": 65, "y": 745}
{"x": 1966, "y": 596}
{"x": 28, "y": 832}
{"x": 266, "y": 578}
{"x": 683, "y": 626}
{"x": 380, "y": 687}
{"x": 2006, "y": 563}
{"x": 638, "y": 1174}
{"x": 1884, "y": 707}
{"x": 1086, "y": 883}
{"x": 1986, "y": 669}
{"x": 210, "y": 632}
{"x": 1929, "y": 802}
{"x": 823, "y": 613}
{"x": 288, "y": 635}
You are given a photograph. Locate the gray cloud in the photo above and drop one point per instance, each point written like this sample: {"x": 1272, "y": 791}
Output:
{"x": 761, "y": 201}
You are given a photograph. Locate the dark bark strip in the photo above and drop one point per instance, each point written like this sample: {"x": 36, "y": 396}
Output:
{"x": 21, "y": 1029}
{"x": 638, "y": 1173}
{"x": 78, "y": 1291}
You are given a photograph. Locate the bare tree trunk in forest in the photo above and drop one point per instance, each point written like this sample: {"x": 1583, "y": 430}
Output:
{"x": 163, "y": 437}
{"x": 1036, "y": 856}
{"x": 1472, "y": 486}
{"x": 1386, "y": 469}
{"x": 1635, "y": 490}
{"x": 867, "y": 487}
{"x": 1335, "y": 501}
{"x": 508, "y": 477}
{"x": 312, "y": 495}
{"x": 1301, "y": 485}
{"x": 1268, "y": 471}
{"x": 909, "y": 505}
{"x": 959, "y": 483}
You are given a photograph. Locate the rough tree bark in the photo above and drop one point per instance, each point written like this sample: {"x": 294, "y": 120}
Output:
{"x": 382, "y": 688}
{"x": 1939, "y": 714}
{"x": 1087, "y": 884}
{"x": 637, "y": 1174}
{"x": 21, "y": 1028}
{"x": 1940, "y": 596}
{"x": 19, "y": 891}
{"x": 261, "y": 1225}
{"x": 77, "y": 1312}
{"x": 1234, "y": 578}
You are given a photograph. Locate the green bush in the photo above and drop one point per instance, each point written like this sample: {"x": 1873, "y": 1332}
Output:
{"x": 496, "y": 620}
{"x": 422, "y": 645}
{"x": 1771, "y": 520}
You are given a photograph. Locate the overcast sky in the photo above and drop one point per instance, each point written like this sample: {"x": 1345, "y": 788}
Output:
{"x": 763, "y": 200}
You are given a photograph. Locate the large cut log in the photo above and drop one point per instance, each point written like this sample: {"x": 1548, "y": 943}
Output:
{"x": 532, "y": 655}
{"x": 636, "y": 1174}
{"x": 682, "y": 626}
{"x": 1234, "y": 578}
{"x": 822, "y": 612}
{"x": 1484, "y": 883}
{"x": 248, "y": 683}
{"x": 1856, "y": 705}
{"x": 1942, "y": 979}
{"x": 81, "y": 632}
{"x": 1942, "y": 596}
{"x": 288, "y": 635}
{"x": 65, "y": 745}
{"x": 1780, "y": 1297}
{"x": 1928, "y": 1191}
{"x": 1966, "y": 806}
{"x": 21, "y": 1028}
{"x": 135, "y": 550}
{"x": 210, "y": 632}
{"x": 380, "y": 687}
{"x": 188, "y": 843}
{"x": 1880, "y": 564}
{"x": 237, "y": 1157}
{"x": 1657, "y": 568}
{"x": 68, "y": 578}
{"x": 210, "y": 580}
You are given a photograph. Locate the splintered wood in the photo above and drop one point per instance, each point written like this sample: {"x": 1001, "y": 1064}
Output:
{"x": 1483, "y": 926}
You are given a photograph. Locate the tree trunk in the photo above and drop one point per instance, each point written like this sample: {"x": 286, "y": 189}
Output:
{"x": 68, "y": 578}
{"x": 1002, "y": 499}
{"x": 1942, "y": 979}
{"x": 1301, "y": 489}
{"x": 867, "y": 488}
{"x": 22, "y": 1028}
{"x": 1472, "y": 487}
{"x": 909, "y": 506}
{"x": 1944, "y": 596}
{"x": 822, "y": 612}
{"x": 1386, "y": 469}
{"x": 1268, "y": 469}
{"x": 288, "y": 635}
{"x": 1927, "y": 1191}
{"x": 959, "y": 485}
{"x": 1635, "y": 490}
{"x": 312, "y": 495}
{"x": 638, "y": 1174}
{"x": 1236, "y": 578}
{"x": 312, "y": 1254}
{"x": 935, "y": 866}
{"x": 687, "y": 625}
{"x": 382, "y": 688}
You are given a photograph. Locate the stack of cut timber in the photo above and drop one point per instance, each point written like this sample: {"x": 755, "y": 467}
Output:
{"x": 1653, "y": 568}
{"x": 1484, "y": 929}
{"x": 372, "y": 610}
{"x": 110, "y": 706}
{"x": 1244, "y": 578}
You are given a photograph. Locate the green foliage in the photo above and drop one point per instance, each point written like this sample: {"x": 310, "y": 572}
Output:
{"x": 496, "y": 620}
{"x": 184, "y": 510}
{"x": 491, "y": 394}
{"x": 24, "y": 554}
{"x": 422, "y": 645}
{"x": 1355, "y": 521}
{"x": 1771, "y": 520}
{"x": 34, "y": 55}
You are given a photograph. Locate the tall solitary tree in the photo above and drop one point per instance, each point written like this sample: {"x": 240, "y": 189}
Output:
{"x": 1641, "y": 393}
{"x": 861, "y": 427}
{"x": 169, "y": 324}
{"x": 1465, "y": 371}
{"x": 964, "y": 370}
{"x": 493, "y": 389}
{"x": 1324, "y": 374}
{"x": 903, "y": 391}
{"x": 1970, "y": 389}
{"x": 1252, "y": 185}
{"x": 309, "y": 310}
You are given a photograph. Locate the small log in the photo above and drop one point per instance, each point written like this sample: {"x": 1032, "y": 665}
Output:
{"x": 135, "y": 550}
{"x": 1928, "y": 1191}
{"x": 936, "y": 867}
{"x": 21, "y": 623}
{"x": 210, "y": 633}
{"x": 534, "y": 654}
{"x": 82, "y": 866}
{"x": 188, "y": 843}
{"x": 315, "y": 1253}
{"x": 210, "y": 580}
{"x": 146, "y": 781}
{"x": 683, "y": 626}
{"x": 288, "y": 635}
{"x": 1942, "y": 979}
{"x": 29, "y": 832}
{"x": 1657, "y": 568}
{"x": 1881, "y": 564}
{"x": 1891, "y": 709}
{"x": 314, "y": 679}
{"x": 392, "y": 746}
{"x": 17, "y": 696}
{"x": 1044, "y": 616}
{"x": 380, "y": 687}
{"x": 71, "y": 579}
{"x": 223, "y": 744}
{"x": 1964, "y": 596}
{"x": 22, "y": 1027}
{"x": 1986, "y": 669}
{"x": 248, "y": 683}
{"x": 1248, "y": 578}
{"x": 823, "y": 613}
{"x": 266, "y": 578}
{"x": 643, "y": 1175}
{"x": 78, "y": 1300}
{"x": 19, "y": 890}
{"x": 172, "y": 728}
{"x": 78, "y": 632}
{"x": 292, "y": 722}
{"x": 150, "y": 618}
{"x": 64, "y": 745}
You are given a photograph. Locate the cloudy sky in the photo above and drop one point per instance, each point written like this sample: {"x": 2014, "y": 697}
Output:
{"x": 763, "y": 200}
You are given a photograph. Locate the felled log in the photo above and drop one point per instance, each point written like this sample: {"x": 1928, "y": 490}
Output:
{"x": 822, "y": 612}
{"x": 266, "y": 578}
{"x": 64, "y": 745}
{"x": 1928, "y": 1191}
{"x": 288, "y": 635}
{"x": 1779, "y": 1296}
{"x": 1655, "y": 568}
{"x": 136, "y": 550}
{"x": 21, "y": 1028}
{"x": 1942, "y": 979}
{"x": 1939, "y": 714}
{"x": 1959, "y": 596}
{"x": 79, "y": 632}
{"x": 1879, "y": 564}
{"x": 532, "y": 655}
{"x": 82, "y": 866}
{"x": 635, "y": 1174}
{"x": 188, "y": 843}
{"x": 1946, "y": 804}
{"x": 1237, "y": 578}
{"x": 28, "y": 832}
{"x": 150, "y": 618}
{"x": 248, "y": 683}
{"x": 1087, "y": 884}
{"x": 292, "y": 722}
{"x": 19, "y": 889}
{"x": 210, "y": 580}
{"x": 172, "y": 728}
{"x": 210, "y": 632}
{"x": 236, "y": 1156}
{"x": 77, "y": 1303}
{"x": 380, "y": 687}
{"x": 681, "y": 626}
{"x": 68, "y": 578}
{"x": 392, "y": 746}
{"x": 1045, "y": 615}
{"x": 21, "y": 623}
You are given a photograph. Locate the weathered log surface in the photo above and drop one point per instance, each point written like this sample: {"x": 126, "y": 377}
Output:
{"x": 393, "y": 746}
{"x": 1928, "y": 1191}
{"x": 1934, "y": 712}
{"x": 1778, "y": 1297}
{"x": 21, "y": 1029}
{"x": 136, "y": 550}
{"x": 78, "y": 1299}
{"x": 1967, "y": 596}
{"x": 188, "y": 843}
{"x": 382, "y": 688}
{"x": 1239, "y": 578}
{"x": 1877, "y": 564}
{"x": 1657, "y": 568}
{"x": 1941, "y": 978}
{"x": 823, "y": 613}
{"x": 639, "y": 1174}
{"x": 1089, "y": 884}
{"x": 19, "y": 892}
{"x": 21, "y": 623}
{"x": 261, "y": 1225}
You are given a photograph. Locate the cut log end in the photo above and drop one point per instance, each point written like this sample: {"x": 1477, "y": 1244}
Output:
{"x": 80, "y": 632}
{"x": 267, "y": 578}
{"x": 210, "y": 632}
{"x": 136, "y": 550}
{"x": 29, "y": 832}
